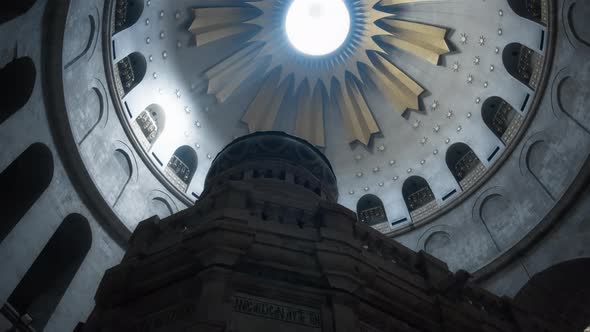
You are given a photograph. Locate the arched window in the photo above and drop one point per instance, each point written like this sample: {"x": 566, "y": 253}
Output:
{"x": 464, "y": 165}
{"x": 22, "y": 183}
{"x": 419, "y": 197}
{"x": 534, "y": 10}
{"x": 182, "y": 167}
{"x": 149, "y": 125}
{"x": 370, "y": 210}
{"x": 523, "y": 64}
{"x": 131, "y": 72}
{"x": 17, "y": 80}
{"x": 501, "y": 118}
{"x": 127, "y": 12}
{"x": 45, "y": 283}
{"x": 12, "y": 9}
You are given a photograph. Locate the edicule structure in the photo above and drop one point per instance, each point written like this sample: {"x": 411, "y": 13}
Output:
{"x": 267, "y": 248}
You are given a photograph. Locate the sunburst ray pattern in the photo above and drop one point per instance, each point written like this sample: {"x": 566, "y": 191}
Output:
{"x": 317, "y": 80}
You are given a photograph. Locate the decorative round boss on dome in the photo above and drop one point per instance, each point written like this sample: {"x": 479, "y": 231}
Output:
{"x": 317, "y": 27}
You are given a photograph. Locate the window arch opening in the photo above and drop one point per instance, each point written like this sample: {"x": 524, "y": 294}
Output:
{"x": 501, "y": 118}
{"x": 127, "y": 13}
{"x": 370, "y": 210}
{"x": 182, "y": 167}
{"x": 418, "y": 197}
{"x": 131, "y": 71}
{"x": 523, "y": 63}
{"x": 534, "y": 10}
{"x": 22, "y": 183}
{"x": 46, "y": 281}
{"x": 464, "y": 165}
{"x": 17, "y": 80}
{"x": 149, "y": 125}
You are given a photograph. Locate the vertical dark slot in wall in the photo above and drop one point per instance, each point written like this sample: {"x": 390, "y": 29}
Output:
{"x": 44, "y": 284}
{"x": 17, "y": 80}
{"x": 22, "y": 183}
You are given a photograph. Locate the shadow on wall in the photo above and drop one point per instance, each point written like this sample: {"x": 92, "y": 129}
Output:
{"x": 563, "y": 291}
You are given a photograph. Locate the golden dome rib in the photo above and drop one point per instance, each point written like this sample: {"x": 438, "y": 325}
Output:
{"x": 268, "y": 51}
{"x": 262, "y": 112}
{"x": 310, "y": 113}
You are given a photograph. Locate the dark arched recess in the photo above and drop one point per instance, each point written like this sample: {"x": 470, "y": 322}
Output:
{"x": 131, "y": 71}
{"x": 44, "y": 284}
{"x": 463, "y": 164}
{"x": 127, "y": 13}
{"x": 529, "y": 9}
{"x": 523, "y": 63}
{"x": 17, "y": 80}
{"x": 370, "y": 210}
{"x": 418, "y": 196}
{"x": 22, "y": 183}
{"x": 181, "y": 167}
{"x": 501, "y": 118}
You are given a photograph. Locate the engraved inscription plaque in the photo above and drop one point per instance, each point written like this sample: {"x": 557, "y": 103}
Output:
{"x": 364, "y": 327}
{"x": 251, "y": 313}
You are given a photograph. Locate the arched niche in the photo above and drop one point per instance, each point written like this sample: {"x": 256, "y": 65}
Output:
{"x": 523, "y": 63}
{"x": 181, "y": 167}
{"x": 501, "y": 118}
{"x": 418, "y": 197}
{"x": 131, "y": 71}
{"x": 12, "y": 9}
{"x": 160, "y": 204}
{"x": 161, "y": 207}
{"x": 127, "y": 13}
{"x": 22, "y": 183}
{"x": 542, "y": 158}
{"x": 149, "y": 125}
{"x": 561, "y": 290}
{"x": 122, "y": 173}
{"x": 501, "y": 220}
{"x": 577, "y": 22}
{"x": 17, "y": 80}
{"x": 370, "y": 210}
{"x": 42, "y": 287}
{"x": 570, "y": 91}
{"x": 464, "y": 165}
{"x": 534, "y": 10}
{"x": 436, "y": 242}
{"x": 93, "y": 110}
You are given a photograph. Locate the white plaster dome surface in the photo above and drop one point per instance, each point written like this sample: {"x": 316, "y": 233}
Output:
{"x": 317, "y": 27}
{"x": 412, "y": 79}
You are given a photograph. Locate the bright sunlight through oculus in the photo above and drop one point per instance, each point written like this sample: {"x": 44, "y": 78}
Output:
{"x": 317, "y": 27}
